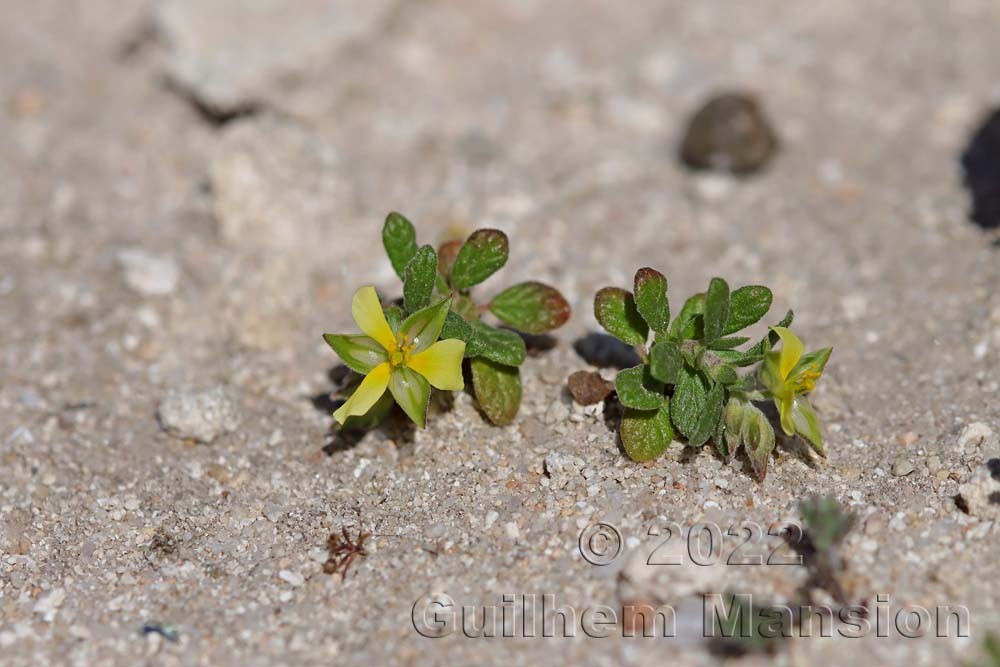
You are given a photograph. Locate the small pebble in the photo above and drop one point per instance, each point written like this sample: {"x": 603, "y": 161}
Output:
{"x": 202, "y": 416}
{"x": 292, "y": 578}
{"x": 557, "y": 412}
{"x": 148, "y": 274}
{"x": 902, "y": 467}
{"x": 273, "y": 513}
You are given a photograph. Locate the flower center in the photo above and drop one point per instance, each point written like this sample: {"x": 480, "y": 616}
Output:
{"x": 404, "y": 348}
{"x": 806, "y": 381}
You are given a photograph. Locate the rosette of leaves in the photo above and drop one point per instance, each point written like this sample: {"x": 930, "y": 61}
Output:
{"x": 494, "y": 354}
{"x": 689, "y": 382}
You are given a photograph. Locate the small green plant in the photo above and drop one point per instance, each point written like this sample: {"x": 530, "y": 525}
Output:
{"x": 991, "y": 651}
{"x": 689, "y": 380}
{"x": 437, "y": 295}
{"x": 826, "y": 526}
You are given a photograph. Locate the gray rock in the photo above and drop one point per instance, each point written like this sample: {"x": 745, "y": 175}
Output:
{"x": 201, "y": 416}
{"x": 980, "y": 496}
{"x": 148, "y": 274}
{"x": 231, "y": 54}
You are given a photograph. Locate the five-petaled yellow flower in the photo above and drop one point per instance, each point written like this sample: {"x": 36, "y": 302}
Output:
{"x": 789, "y": 374}
{"x": 406, "y": 360}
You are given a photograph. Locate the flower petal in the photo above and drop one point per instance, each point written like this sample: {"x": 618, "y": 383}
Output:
{"x": 367, "y": 312}
{"x": 366, "y": 395}
{"x": 441, "y": 364}
{"x": 785, "y": 407}
{"x": 361, "y": 353}
{"x": 412, "y": 393}
{"x": 791, "y": 350}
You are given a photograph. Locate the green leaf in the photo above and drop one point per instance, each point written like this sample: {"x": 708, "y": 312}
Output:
{"x": 685, "y": 325}
{"x": 747, "y": 305}
{"x": 708, "y": 418}
{"x": 423, "y": 327}
{"x": 499, "y": 345}
{"x": 400, "y": 241}
{"x": 665, "y": 361}
{"x": 359, "y": 352}
{"x": 758, "y": 439}
{"x": 484, "y": 252}
{"x": 688, "y": 401}
{"x": 646, "y": 433}
{"x": 729, "y": 343}
{"x": 638, "y": 389}
{"x": 616, "y": 311}
{"x": 807, "y": 424}
{"x": 756, "y": 353}
{"x": 419, "y": 277}
{"x": 394, "y": 315}
{"x": 725, "y": 375}
{"x": 651, "y": 298}
{"x": 455, "y": 326}
{"x": 531, "y": 307}
{"x": 716, "y": 309}
{"x": 497, "y": 388}
{"x": 412, "y": 391}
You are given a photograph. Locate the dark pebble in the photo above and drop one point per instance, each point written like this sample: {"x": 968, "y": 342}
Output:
{"x": 729, "y": 133}
{"x": 981, "y": 161}
{"x": 588, "y": 387}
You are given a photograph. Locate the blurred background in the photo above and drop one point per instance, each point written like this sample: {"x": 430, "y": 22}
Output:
{"x": 190, "y": 191}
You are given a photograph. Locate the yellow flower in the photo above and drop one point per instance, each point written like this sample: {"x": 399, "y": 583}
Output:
{"x": 407, "y": 361}
{"x": 789, "y": 374}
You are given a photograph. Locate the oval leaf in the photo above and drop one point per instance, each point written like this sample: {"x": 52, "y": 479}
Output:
{"x": 497, "y": 388}
{"x": 688, "y": 401}
{"x": 716, "y": 309}
{"x": 455, "y": 326}
{"x": 419, "y": 278}
{"x": 665, "y": 361}
{"x": 400, "y": 241}
{"x": 651, "y": 298}
{"x": 481, "y": 256}
{"x": 708, "y": 419}
{"x": 646, "y": 433}
{"x": 685, "y": 326}
{"x": 747, "y": 305}
{"x": 499, "y": 345}
{"x": 531, "y": 307}
{"x": 615, "y": 310}
{"x": 638, "y": 389}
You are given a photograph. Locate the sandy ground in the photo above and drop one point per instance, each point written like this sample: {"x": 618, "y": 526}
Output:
{"x": 190, "y": 191}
